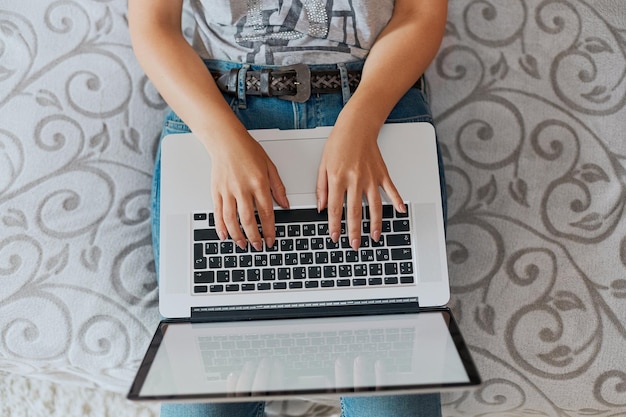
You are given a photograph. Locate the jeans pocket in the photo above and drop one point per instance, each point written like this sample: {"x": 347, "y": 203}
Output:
{"x": 172, "y": 125}
{"x": 412, "y": 107}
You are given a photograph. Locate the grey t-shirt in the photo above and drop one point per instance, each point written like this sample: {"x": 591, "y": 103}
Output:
{"x": 285, "y": 32}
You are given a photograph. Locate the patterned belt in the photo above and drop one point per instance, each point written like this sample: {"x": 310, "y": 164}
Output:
{"x": 295, "y": 82}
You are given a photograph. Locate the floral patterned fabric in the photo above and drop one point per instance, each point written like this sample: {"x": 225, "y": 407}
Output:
{"x": 529, "y": 98}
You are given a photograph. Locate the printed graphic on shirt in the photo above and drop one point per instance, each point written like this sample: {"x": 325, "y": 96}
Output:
{"x": 275, "y": 26}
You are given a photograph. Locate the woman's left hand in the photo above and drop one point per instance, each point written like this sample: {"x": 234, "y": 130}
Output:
{"x": 351, "y": 168}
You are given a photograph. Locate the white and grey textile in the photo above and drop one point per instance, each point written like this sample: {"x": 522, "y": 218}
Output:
{"x": 529, "y": 99}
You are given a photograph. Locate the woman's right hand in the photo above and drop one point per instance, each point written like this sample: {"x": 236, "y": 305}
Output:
{"x": 243, "y": 181}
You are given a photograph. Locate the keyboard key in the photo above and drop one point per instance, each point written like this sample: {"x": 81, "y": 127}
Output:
{"x": 204, "y": 277}
{"x": 223, "y": 276}
{"x": 327, "y": 283}
{"x": 375, "y": 281}
{"x": 299, "y": 272}
{"x": 245, "y": 261}
{"x": 248, "y": 287}
{"x": 343, "y": 282}
{"x": 205, "y": 234}
{"x": 314, "y": 272}
{"x": 276, "y": 259}
{"x": 306, "y": 258}
{"x": 321, "y": 257}
{"x": 345, "y": 270}
{"x": 284, "y": 273}
{"x": 317, "y": 243}
{"x": 302, "y": 244}
{"x": 403, "y": 239}
{"x": 294, "y": 230}
{"x": 336, "y": 257}
{"x": 215, "y": 262}
{"x": 311, "y": 284}
{"x": 376, "y": 269}
{"x": 200, "y": 216}
{"x": 291, "y": 259}
{"x": 253, "y": 275}
{"x": 226, "y": 247}
{"x": 295, "y": 285}
{"x": 400, "y": 225}
{"x": 391, "y": 268}
{"x": 391, "y": 280}
{"x": 263, "y": 286}
{"x": 216, "y": 288}
{"x": 279, "y": 285}
{"x": 401, "y": 254}
{"x": 406, "y": 268}
{"x": 299, "y": 216}
{"x": 359, "y": 282}
{"x": 286, "y": 245}
{"x": 230, "y": 262}
{"x": 407, "y": 280}
{"x": 269, "y": 274}
{"x": 199, "y": 289}
{"x": 238, "y": 275}
{"x": 211, "y": 248}
{"x": 330, "y": 271}
{"x": 232, "y": 287}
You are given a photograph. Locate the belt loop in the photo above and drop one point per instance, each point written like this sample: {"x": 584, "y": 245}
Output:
{"x": 241, "y": 85}
{"x": 345, "y": 82}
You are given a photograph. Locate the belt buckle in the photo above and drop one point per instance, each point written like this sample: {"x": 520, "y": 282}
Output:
{"x": 302, "y": 82}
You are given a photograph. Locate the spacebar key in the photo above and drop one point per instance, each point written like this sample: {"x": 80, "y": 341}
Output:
{"x": 299, "y": 215}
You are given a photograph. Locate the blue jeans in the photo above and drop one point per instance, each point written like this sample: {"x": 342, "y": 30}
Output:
{"x": 271, "y": 113}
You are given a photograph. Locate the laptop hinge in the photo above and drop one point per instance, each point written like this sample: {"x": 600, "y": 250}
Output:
{"x": 307, "y": 309}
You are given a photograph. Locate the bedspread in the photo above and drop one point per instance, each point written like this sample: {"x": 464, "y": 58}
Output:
{"x": 529, "y": 99}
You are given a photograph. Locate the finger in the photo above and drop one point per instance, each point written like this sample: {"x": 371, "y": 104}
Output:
{"x": 220, "y": 226}
{"x": 279, "y": 192}
{"x": 380, "y": 371}
{"x": 363, "y": 372}
{"x": 374, "y": 201}
{"x": 231, "y": 382}
{"x": 354, "y": 213}
{"x": 265, "y": 210}
{"x": 343, "y": 373}
{"x": 393, "y": 194}
{"x": 262, "y": 377}
{"x": 244, "y": 382}
{"x": 231, "y": 221}
{"x": 321, "y": 190}
{"x": 335, "y": 212}
{"x": 247, "y": 219}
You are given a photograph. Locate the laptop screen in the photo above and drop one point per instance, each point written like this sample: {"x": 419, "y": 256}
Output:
{"x": 298, "y": 357}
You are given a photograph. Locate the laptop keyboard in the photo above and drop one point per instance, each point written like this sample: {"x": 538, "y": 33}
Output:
{"x": 314, "y": 351}
{"x": 304, "y": 257}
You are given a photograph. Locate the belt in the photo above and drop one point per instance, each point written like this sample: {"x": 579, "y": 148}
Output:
{"x": 295, "y": 82}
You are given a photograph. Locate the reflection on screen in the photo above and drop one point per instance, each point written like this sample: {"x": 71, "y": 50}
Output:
{"x": 323, "y": 355}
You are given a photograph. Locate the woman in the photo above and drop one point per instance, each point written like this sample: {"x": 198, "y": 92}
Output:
{"x": 381, "y": 46}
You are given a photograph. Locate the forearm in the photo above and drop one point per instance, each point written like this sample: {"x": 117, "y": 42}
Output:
{"x": 178, "y": 72}
{"x": 400, "y": 55}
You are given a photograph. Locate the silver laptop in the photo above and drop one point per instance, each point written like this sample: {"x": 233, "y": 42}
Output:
{"x": 307, "y": 316}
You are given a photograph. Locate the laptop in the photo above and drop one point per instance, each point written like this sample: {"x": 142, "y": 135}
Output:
{"x": 308, "y": 316}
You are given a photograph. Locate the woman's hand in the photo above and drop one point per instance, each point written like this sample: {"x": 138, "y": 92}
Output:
{"x": 352, "y": 167}
{"x": 244, "y": 179}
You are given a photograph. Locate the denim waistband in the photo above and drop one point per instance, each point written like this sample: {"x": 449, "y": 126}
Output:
{"x": 224, "y": 66}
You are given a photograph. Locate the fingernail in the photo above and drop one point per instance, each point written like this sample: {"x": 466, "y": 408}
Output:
{"x": 222, "y": 235}
{"x": 241, "y": 243}
{"x": 375, "y": 235}
{"x": 334, "y": 237}
{"x": 269, "y": 242}
{"x": 355, "y": 243}
{"x": 257, "y": 245}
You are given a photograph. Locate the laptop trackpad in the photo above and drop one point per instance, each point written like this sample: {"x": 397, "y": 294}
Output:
{"x": 299, "y": 162}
